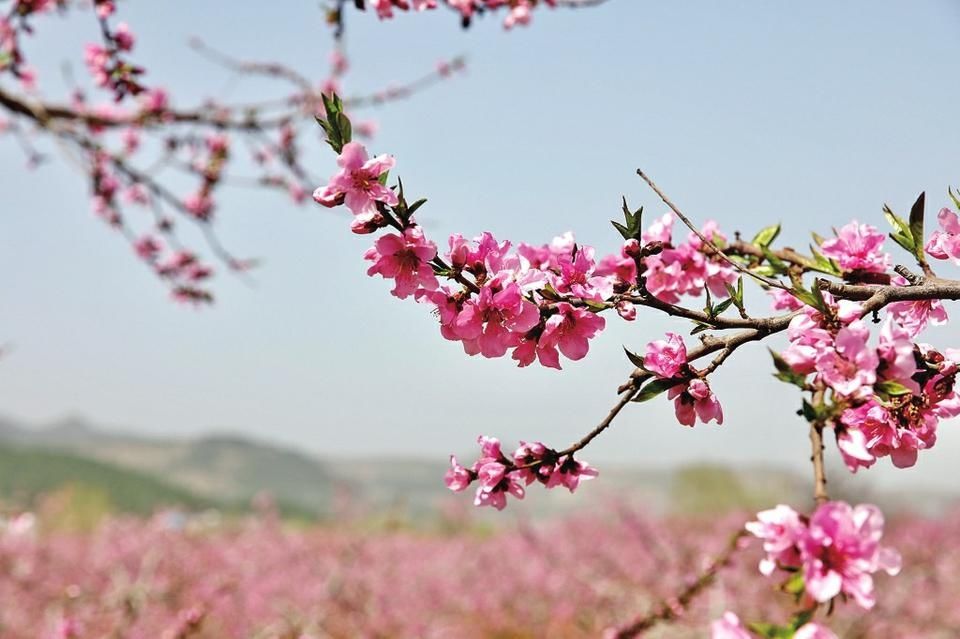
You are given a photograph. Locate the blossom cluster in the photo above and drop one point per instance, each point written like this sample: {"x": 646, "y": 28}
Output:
{"x": 497, "y": 475}
{"x": 106, "y": 63}
{"x": 667, "y": 360}
{"x": 572, "y": 577}
{"x": 112, "y": 133}
{"x": 688, "y": 267}
{"x": 519, "y": 12}
{"x": 857, "y": 248}
{"x": 944, "y": 243}
{"x": 15, "y": 22}
{"x": 887, "y": 399}
{"x": 836, "y": 551}
{"x": 535, "y": 302}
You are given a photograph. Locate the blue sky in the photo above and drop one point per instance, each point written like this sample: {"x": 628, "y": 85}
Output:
{"x": 746, "y": 112}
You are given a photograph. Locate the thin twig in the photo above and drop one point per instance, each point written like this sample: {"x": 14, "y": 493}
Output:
{"x": 672, "y": 608}
{"x": 768, "y": 281}
{"x": 816, "y": 454}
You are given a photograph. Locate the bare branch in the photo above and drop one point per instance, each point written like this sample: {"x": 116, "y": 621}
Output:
{"x": 768, "y": 281}
{"x": 670, "y": 609}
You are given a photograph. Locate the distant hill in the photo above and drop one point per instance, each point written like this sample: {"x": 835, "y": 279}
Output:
{"x": 26, "y": 473}
{"x": 223, "y": 468}
{"x": 230, "y": 469}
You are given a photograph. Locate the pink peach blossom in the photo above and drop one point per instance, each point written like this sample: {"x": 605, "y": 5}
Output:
{"x": 357, "y": 184}
{"x": 404, "y": 259}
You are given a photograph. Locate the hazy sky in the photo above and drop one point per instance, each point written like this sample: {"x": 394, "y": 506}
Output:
{"x": 748, "y": 112}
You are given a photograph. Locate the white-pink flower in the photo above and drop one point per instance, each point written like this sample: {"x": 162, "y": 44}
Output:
{"x": 858, "y": 247}
{"x": 728, "y": 627}
{"x": 695, "y": 400}
{"x": 666, "y": 358}
{"x": 357, "y": 184}
{"x": 841, "y": 551}
{"x": 404, "y": 259}
{"x": 781, "y": 530}
{"x": 945, "y": 242}
{"x": 814, "y": 631}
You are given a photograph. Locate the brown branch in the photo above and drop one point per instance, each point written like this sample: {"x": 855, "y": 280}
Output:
{"x": 875, "y": 298}
{"x": 816, "y": 456}
{"x": 739, "y": 247}
{"x": 762, "y": 328}
{"x": 42, "y": 112}
{"x": 672, "y": 608}
{"x": 625, "y": 397}
{"x": 715, "y": 321}
{"x": 816, "y": 452}
{"x": 768, "y": 281}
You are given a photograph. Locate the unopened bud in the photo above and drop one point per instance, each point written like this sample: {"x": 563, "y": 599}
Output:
{"x": 632, "y": 247}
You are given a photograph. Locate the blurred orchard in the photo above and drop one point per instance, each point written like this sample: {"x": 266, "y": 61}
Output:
{"x": 202, "y": 577}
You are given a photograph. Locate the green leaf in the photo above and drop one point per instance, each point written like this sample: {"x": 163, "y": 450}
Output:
{"x": 595, "y": 305}
{"x": 916, "y": 228}
{"x": 346, "y": 130}
{"x": 954, "y": 197}
{"x": 824, "y": 264}
{"x": 770, "y": 631}
{"x": 722, "y": 306}
{"x": 766, "y": 270}
{"x": 804, "y": 296}
{"x": 416, "y": 205}
{"x": 336, "y": 125}
{"x": 801, "y": 619}
{"x": 795, "y": 584}
{"x": 778, "y": 265}
{"x": 708, "y": 308}
{"x": 890, "y": 388}
{"x": 785, "y": 373}
{"x": 635, "y": 359}
{"x": 766, "y": 236}
{"x": 654, "y": 388}
{"x": 633, "y": 222}
{"x": 550, "y": 293}
{"x": 624, "y": 231}
{"x": 700, "y": 327}
{"x": 902, "y": 234}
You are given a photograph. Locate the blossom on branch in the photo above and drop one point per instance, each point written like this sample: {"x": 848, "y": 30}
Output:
{"x": 836, "y": 551}
{"x": 858, "y": 247}
{"x": 357, "y": 184}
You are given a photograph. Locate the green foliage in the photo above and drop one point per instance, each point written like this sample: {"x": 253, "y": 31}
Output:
{"x": 785, "y": 373}
{"x": 765, "y": 237}
{"x": 812, "y": 297}
{"x": 654, "y": 388}
{"x": 909, "y": 235}
{"x": 336, "y": 125}
{"x": 736, "y": 295}
{"x": 635, "y": 359}
{"x": 776, "y": 265}
{"x": 889, "y": 388}
{"x": 632, "y": 228}
{"x": 770, "y": 631}
{"x": 822, "y": 263}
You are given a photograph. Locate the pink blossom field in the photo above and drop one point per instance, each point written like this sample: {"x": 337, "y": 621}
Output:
{"x": 582, "y": 576}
